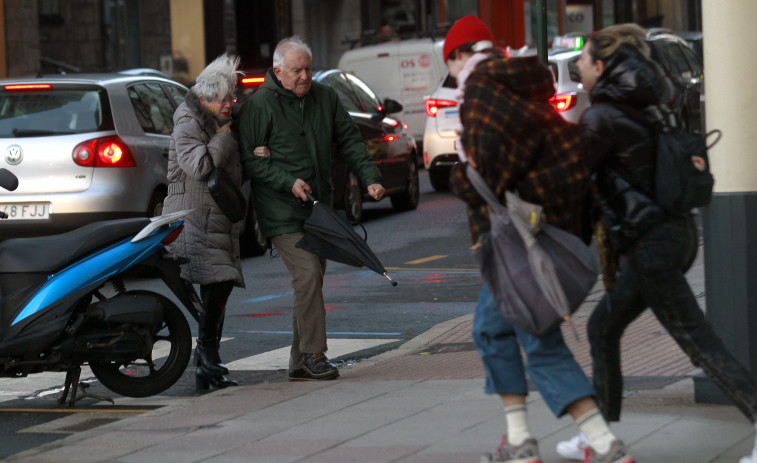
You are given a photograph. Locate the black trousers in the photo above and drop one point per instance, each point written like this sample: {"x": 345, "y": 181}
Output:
{"x": 653, "y": 276}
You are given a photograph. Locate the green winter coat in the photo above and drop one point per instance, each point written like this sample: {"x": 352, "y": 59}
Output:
{"x": 300, "y": 134}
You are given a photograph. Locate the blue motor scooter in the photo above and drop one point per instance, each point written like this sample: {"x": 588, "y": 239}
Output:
{"x": 58, "y": 311}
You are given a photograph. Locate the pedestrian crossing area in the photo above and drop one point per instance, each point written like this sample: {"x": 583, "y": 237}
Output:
{"x": 50, "y": 384}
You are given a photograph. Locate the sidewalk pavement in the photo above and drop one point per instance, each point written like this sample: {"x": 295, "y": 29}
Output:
{"x": 422, "y": 402}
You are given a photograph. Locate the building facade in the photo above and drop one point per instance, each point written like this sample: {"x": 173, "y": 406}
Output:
{"x": 82, "y": 35}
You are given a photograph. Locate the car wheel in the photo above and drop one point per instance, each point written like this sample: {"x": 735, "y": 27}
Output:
{"x": 408, "y": 199}
{"x": 439, "y": 177}
{"x": 252, "y": 241}
{"x": 353, "y": 198}
{"x": 155, "y": 206}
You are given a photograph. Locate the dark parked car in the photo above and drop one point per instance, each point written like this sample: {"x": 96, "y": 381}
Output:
{"x": 684, "y": 68}
{"x": 387, "y": 139}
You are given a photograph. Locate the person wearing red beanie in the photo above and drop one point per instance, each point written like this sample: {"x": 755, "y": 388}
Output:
{"x": 504, "y": 108}
{"x": 467, "y": 30}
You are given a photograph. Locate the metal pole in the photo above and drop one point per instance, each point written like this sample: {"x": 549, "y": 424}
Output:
{"x": 541, "y": 29}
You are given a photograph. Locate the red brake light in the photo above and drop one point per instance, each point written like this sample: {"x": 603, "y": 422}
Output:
{"x": 432, "y": 106}
{"x": 390, "y": 137}
{"x": 563, "y": 102}
{"x": 103, "y": 152}
{"x": 173, "y": 235}
{"x": 252, "y": 81}
{"x": 27, "y": 87}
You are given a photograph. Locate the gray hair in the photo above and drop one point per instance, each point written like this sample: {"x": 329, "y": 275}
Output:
{"x": 289, "y": 43}
{"x": 219, "y": 79}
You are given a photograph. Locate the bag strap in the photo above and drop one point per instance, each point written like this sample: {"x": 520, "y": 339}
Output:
{"x": 480, "y": 185}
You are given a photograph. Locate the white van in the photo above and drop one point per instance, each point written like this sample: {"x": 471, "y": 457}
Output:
{"x": 405, "y": 71}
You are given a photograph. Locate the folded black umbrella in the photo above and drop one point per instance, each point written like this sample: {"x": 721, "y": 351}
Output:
{"x": 332, "y": 237}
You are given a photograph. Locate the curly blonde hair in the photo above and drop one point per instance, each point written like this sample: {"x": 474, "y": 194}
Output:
{"x": 219, "y": 79}
{"x": 604, "y": 43}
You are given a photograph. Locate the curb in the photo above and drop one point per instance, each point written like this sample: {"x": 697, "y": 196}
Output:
{"x": 410, "y": 346}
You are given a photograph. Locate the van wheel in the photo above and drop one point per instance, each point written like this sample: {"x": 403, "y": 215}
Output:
{"x": 408, "y": 199}
{"x": 353, "y": 198}
{"x": 439, "y": 177}
{"x": 252, "y": 241}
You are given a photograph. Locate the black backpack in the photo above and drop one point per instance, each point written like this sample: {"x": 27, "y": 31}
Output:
{"x": 683, "y": 180}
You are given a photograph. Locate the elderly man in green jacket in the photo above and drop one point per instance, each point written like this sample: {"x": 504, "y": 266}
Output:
{"x": 299, "y": 121}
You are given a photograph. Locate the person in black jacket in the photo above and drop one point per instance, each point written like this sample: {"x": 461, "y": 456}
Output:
{"x": 656, "y": 248}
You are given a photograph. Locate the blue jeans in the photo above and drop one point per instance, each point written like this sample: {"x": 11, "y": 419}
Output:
{"x": 653, "y": 276}
{"x": 549, "y": 362}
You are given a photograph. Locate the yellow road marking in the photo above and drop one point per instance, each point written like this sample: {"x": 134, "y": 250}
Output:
{"x": 425, "y": 259}
{"x": 69, "y": 410}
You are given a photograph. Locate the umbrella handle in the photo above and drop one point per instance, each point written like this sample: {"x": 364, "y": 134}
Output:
{"x": 310, "y": 196}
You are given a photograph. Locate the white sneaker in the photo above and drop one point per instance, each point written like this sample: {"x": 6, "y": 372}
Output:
{"x": 575, "y": 448}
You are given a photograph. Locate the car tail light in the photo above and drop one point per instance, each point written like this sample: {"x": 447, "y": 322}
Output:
{"x": 173, "y": 235}
{"x": 433, "y": 106}
{"x": 390, "y": 137}
{"x": 253, "y": 82}
{"x": 103, "y": 152}
{"x": 564, "y": 101}
{"x": 20, "y": 88}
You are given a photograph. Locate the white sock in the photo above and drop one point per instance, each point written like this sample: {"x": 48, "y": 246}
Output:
{"x": 517, "y": 424}
{"x": 597, "y": 431}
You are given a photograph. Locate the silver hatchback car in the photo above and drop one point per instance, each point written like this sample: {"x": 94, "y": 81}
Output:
{"x": 85, "y": 148}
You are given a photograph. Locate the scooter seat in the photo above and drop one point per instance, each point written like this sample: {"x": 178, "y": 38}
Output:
{"x": 47, "y": 254}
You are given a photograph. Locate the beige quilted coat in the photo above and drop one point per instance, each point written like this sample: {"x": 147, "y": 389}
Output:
{"x": 209, "y": 240}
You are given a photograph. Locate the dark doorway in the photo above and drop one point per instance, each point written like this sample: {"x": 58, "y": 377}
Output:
{"x": 260, "y": 25}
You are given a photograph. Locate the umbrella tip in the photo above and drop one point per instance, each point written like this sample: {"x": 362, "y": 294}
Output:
{"x": 394, "y": 283}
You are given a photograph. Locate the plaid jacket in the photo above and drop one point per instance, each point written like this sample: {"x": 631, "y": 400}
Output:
{"x": 518, "y": 141}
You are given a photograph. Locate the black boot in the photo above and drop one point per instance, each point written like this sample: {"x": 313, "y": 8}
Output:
{"x": 210, "y": 368}
{"x": 206, "y": 353}
{"x": 204, "y": 379}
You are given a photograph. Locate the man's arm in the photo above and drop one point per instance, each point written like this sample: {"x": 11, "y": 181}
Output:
{"x": 350, "y": 144}
{"x": 254, "y": 132}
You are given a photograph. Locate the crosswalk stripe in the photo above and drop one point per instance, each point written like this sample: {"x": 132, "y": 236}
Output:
{"x": 278, "y": 359}
{"x": 51, "y": 382}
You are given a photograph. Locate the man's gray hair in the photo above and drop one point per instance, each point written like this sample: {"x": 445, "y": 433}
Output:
{"x": 219, "y": 79}
{"x": 289, "y": 43}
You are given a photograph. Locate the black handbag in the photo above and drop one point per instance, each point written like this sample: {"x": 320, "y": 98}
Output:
{"x": 226, "y": 195}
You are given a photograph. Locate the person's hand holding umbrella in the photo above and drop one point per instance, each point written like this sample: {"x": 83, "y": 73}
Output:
{"x": 299, "y": 188}
{"x": 376, "y": 191}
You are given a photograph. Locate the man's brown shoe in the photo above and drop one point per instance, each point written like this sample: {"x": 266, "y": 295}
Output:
{"x": 319, "y": 367}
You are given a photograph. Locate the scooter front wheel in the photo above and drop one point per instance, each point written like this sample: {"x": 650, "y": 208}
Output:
{"x": 169, "y": 357}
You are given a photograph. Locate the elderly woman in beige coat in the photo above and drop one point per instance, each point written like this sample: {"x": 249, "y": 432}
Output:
{"x": 202, "y": 138}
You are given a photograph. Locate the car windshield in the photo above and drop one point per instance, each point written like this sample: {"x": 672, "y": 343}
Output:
{"x": 52, "y": 112}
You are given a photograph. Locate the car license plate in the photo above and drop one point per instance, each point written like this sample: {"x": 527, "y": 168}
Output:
{"x": 34, "y": 211}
